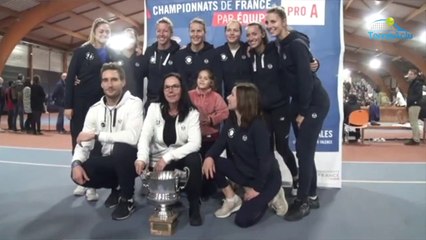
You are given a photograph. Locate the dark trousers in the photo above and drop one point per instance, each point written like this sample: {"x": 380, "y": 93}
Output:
{"x": 193, "y": 162}
{"x": 306, "y": 142}
{"x": 253, "y": 210}
{"x": 2, "y": 104}
{"x": 18, "y": 112}
{"x": 60, "y": 120}
{"x": 36, "y": 120}
{"x": 10, "y": 123}
{"x": 81, "y": 107}
{"x": 208, "y": 186}
{"x": 279, "y": 122}
{"x": 115, "y": 170}
{"x": 29, "y": 122}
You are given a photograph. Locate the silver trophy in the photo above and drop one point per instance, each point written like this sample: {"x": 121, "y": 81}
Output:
{"x": 163, "y": 190}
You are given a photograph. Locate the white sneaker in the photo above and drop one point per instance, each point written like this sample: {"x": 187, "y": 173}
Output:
{"x": 92, "y": 195}
{"x": 79, "y": 191}
{"x": 229, "y": 206}
{"x": 279, "y": 203}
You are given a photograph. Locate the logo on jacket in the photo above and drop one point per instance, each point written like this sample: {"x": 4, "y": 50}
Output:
{"x": 170, "y": 62}
{"x": 90, "y": 56}
{"x": 152, "y": 60}
{"x": 223, "y": 57}
{"x": 284, "y": 56}
{"x": 137, "y": 64}
{"x": 231, "y": 132}
{"x": 188, "y": 60}
{"x": 243, "y": 57}
{"x": 244, "y": 138}
{"x": 183, "y": 127}
{"x": 269, "y": 66}
{"x": 314, "y": 115}
{"x": 157, "y": 122}
{"x": 206, "y": 61}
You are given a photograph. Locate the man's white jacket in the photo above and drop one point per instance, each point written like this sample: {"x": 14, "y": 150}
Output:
{"x": 121, "y": 123}
{"x": 151, "y": 146}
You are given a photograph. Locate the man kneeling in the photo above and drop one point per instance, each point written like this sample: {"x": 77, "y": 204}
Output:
{"x": 106, "y": 147}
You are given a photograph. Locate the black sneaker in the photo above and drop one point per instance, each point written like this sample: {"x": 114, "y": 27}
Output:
{"x": 412, "y": 142}
{"x": 298, "y": 210}
{"x": 194, "y": 214}
{"x": 112, "y": 199}
{"x": 124, "y": 209}
{"x": 314, "y": 202}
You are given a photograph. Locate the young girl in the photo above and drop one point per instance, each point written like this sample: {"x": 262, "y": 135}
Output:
{"x": 213, "y": 110}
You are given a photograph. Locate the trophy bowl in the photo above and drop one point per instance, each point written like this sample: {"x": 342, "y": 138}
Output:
{"x": 163, "y": 189}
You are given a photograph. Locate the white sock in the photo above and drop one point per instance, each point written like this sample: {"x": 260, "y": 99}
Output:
{"x": 313, "y": 197}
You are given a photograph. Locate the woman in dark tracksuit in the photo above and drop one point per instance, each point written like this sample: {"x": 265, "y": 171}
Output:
{"x": 266, "y": 75}
{"x": 83, "y": 83}
{"x": 197, "y": 55}
{"x": 231, "y": 64}
{"x": 310, "y": 104}
{"x": 250, "y": 162}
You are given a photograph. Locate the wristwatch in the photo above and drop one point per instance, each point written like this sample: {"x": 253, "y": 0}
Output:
{"x": 76, "y": 163}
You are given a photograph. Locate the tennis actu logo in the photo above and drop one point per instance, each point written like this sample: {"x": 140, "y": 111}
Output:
{"x": 387, "y": 29}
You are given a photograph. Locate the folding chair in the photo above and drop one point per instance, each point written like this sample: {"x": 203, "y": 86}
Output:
{"x": 359, "y": 119}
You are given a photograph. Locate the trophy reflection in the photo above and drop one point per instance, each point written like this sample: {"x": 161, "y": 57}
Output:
{"x": 163, "y": 191}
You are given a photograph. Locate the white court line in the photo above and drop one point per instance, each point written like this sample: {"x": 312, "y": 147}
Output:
{"x": 41, "y": 149}
{"x": 384, "y": 181}
{"x": 343, "y": 181}
{"x": 36, "y": 164}
{"x": 402, "y": 163}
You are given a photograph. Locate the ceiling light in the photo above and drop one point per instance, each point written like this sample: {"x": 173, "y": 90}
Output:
{"x": 375, "y": 63}
{"x": 422, "y": 37}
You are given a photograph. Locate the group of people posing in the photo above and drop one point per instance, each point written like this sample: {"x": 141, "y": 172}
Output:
{"x": 239, "y": 98}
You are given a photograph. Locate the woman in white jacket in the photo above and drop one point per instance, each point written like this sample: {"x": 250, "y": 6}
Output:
{"x": 171, "y": 138}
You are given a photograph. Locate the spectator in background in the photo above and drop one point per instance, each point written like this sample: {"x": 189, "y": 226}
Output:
{"x": 26, "y": 99}
{"x": 10, "y": 97}
{"x": 18, "y": 85}
{"x": 58, "y": 96}
{"x": 2, "y": 99}
{"x": 38, "y": 97}
{"x": 414, "y": 98}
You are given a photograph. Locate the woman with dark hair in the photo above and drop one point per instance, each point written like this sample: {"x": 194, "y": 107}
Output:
{"x": 171, "y": 138}
{"x": 38, "y": 97}
{"x": 309, "y": 105}
{"x": 249, "y": 163}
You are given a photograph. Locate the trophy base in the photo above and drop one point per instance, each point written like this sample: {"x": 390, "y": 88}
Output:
{"x": 163, "y": 227}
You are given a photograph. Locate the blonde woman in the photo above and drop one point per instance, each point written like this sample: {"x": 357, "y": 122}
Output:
{"x": 80, "y": 94}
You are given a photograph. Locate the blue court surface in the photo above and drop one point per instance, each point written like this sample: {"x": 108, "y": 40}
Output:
{"x": 378, "y": 201}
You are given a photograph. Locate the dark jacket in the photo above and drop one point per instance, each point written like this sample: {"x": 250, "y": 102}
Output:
{"x": 350, "y": 106}
{"x": 229, "y": 69}
{"x": 267, "y": 76}
{"x": 85, "y": 65}
{"x": 38, "y": 96}
{"x": 415, "y": 92}
{"x": 305, "y": 87}
{"x": 188, "y": 63}
{"x": 157, "y": 63}
{"x": 133, "y": 69}
{"x": 58, "y": 94}
{"x": 249, "y": 149}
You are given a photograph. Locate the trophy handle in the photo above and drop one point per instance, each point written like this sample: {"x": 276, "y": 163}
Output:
{"x": 182, "y": 177}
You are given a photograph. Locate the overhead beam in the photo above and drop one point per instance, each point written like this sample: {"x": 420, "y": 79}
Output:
{"x": 27, "y": 20}
{"x": 63, "y": 30}
{"x": 388, "y": 48}
{"x": 45, "y": 41}
{"x": 415, "y": 13}
{"x": 348, "y": 4}
{"x": 119, "y": 14}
